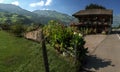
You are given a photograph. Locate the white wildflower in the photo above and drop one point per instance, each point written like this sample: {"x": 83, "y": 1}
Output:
{"x": 75, "y": 33}
{"x": 80, "y": 34}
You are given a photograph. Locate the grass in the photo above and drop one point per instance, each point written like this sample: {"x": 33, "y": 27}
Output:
{"x": 21, "y": 55}
{"x": 13, "y": 51}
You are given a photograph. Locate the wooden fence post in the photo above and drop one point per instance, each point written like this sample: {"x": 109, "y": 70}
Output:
{"x": 44, "y": 51}
{"x": 77, "y": 60}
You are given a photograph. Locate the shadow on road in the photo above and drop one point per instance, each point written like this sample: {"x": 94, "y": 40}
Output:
{"x": 94, "y": 63}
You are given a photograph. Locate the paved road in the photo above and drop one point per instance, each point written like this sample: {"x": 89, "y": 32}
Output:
{"x": 106, "y": 57}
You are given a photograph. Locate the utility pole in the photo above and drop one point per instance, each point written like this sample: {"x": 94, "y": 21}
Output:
{"x": 44, "y": 51}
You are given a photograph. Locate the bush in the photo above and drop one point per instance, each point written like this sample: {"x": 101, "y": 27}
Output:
{"x": 54, "y": 32}
{"x": 17, "y": 29}
{"x": 63, "y": 38}
{"x": 66, "y": 41}
{"x": 5, "y": 26}
{"x": 32, "y": 27}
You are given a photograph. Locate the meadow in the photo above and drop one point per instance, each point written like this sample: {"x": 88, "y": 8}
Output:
{"x": 21, "y": 55}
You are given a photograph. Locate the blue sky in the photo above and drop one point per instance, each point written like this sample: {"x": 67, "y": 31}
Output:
{"x": 64, "y": 6}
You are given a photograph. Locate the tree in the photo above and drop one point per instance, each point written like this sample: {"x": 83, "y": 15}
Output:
{"x": 94, "y": 6}
{"x": 5, "y": 26}
{"x": 17, "y": 29}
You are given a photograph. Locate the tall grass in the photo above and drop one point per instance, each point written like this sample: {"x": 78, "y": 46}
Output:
{"x": 21, "y": 55}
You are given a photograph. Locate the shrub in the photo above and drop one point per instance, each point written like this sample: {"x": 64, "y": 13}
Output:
{"x": 55, "y": 34}
{"x": 67, "y": 41}
{"x": 32, "y": 27}
{"x": 5, "y": 26}
{"x": 63, "y": 38}
{"x": 17, "y": 29}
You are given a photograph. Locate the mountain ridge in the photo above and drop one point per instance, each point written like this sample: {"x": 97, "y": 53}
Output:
{"x": 43, "y": 16}
{"x": 65, "y": 18}
{"x": 18, "y": 10}
{"x": 13, "y": 9}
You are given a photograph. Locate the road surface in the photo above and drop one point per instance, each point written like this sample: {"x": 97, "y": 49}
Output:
{"x": 106, "y": 57}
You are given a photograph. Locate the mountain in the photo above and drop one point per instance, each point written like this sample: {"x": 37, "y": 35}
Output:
{"x": 14, "y": 9}
{"x": 54, "y": 15}
{"x": 43, "y": 16}
{"x": 2, "y": 10}
{"x": 38, "y": 16}
{"x": 18, "y": 10}
{"x": 12, "y": 18}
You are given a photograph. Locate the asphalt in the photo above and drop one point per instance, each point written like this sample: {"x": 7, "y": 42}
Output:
{"x": 106, "y": 57}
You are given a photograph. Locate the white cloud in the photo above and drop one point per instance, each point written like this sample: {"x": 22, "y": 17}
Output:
{"x": 41, "y": 3}
{"x": 48, "y": 2}
{"x": 15, "y": 3}
{"x": 1, "y": 1}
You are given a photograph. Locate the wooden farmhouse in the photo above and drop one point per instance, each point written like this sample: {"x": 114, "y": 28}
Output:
{"x": 96, "y": 20}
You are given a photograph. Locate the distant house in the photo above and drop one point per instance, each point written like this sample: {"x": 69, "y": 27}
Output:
{"x": 95, "y": 19}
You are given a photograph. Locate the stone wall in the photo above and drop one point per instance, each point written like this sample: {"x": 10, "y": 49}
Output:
{"x": 33, "y": 35}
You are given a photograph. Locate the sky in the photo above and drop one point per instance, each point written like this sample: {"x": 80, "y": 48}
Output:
{"x": 63, "y": 6}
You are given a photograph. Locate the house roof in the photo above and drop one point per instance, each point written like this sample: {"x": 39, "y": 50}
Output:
{"x": 94, "y": 12}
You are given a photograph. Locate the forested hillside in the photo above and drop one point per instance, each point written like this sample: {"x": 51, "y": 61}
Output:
{"x": 38, "y": 16}
{"x": 54, "y": 15}
{"x": 12, "y": 18}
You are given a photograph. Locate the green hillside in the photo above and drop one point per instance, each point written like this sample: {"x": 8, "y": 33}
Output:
{"x": 18, "y": 10}
{"x": 12, "y": 18}
{"x": 14, "y": 9}
{"x": 38, "y": 16}
{"x": 44, "y": 16}
{"x": 21, "y": 55}
{"x": 54, "y": 15}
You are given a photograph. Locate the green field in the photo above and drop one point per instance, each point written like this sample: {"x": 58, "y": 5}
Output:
{"x": 21, "y": 55}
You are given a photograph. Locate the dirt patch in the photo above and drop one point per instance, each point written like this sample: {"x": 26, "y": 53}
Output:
{"x": 92, "y": 41}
